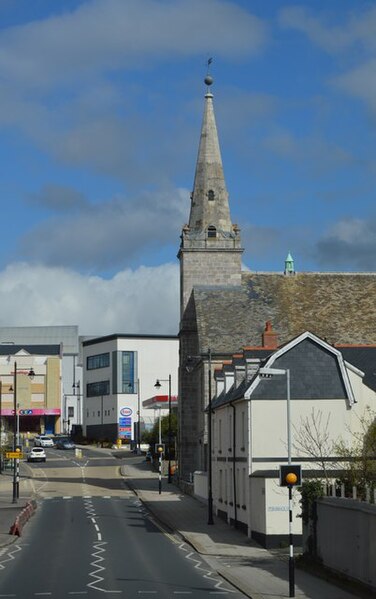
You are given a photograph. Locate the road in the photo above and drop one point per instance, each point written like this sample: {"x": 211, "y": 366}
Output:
{"x": 91, "y": 536}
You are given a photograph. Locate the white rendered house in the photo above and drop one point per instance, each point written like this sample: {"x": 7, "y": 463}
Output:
{"x": 250, "y": 428}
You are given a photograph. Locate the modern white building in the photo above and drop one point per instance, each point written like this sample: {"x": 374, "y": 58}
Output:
{"x": 119, "y": 374}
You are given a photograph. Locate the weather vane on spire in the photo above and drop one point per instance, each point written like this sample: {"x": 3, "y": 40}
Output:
{"x": 209, "y": 78}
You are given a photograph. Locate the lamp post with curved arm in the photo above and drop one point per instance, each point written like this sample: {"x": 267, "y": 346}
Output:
{"x": 16, "y": 465}
{"x": 158, "y": 385}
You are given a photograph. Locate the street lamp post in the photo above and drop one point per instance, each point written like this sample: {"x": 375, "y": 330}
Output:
{"x": 139, "y": 418}
{"x": 269, "y": 373}
{"x": 158, "y": 385}
{"x": 16, "y": 465}
{"x": 77, "y": 386}
{"x": 189, "y": 368}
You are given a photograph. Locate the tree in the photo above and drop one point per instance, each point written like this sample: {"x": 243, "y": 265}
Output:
{"x": 358, "y": 457}
{"x": 313, "y": 439}
{"x": 152, "y": 437}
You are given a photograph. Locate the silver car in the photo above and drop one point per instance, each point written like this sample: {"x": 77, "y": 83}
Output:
{"x": 43, "y": 441}
{"x": 37, "y": 454}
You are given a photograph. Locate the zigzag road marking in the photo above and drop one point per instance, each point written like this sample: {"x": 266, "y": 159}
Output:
{"x": 99, "y": 568}
{"x": 96, "y": 573}
{"x": 10, "y": 556}
{"x": 209, "y": 575}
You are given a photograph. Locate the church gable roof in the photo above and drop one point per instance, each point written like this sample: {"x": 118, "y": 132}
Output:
{"x": 338, "y": 307}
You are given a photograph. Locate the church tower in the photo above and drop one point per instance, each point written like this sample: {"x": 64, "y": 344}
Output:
{"x": 210, "y": 250}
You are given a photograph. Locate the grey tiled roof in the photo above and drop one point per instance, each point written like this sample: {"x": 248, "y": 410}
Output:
{"x": 34, "y": 350}
{"x": 338, "y": 307}
{"x": 363, "y": 358}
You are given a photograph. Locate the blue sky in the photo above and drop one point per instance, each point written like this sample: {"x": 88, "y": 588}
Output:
{"x": 100, "y": 114}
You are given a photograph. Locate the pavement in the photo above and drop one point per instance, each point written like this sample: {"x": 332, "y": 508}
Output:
{"x": 13, "y": 516}
{"x": 255, "y": 571}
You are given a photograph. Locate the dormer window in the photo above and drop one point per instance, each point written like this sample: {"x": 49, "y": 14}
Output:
{"x": 212, "y": 231}
{"x": 211, "y": 195}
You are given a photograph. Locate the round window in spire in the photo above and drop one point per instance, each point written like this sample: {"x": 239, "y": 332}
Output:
{"x": 211, "y": 195}
{"x": 212, "y": 231}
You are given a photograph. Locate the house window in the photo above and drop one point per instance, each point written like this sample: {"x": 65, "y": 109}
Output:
{"x": 70, "y": 412}
{"x": 212, "y": 231}
{"x": 220, "y": 435}
{"x": 211, "y": 195}
{"x": 97, "y": 389}
{"x": 98, "y": 361}
{"x": 124, "y": 375}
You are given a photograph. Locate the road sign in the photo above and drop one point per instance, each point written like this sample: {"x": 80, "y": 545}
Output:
{"x": 14, "y": 455}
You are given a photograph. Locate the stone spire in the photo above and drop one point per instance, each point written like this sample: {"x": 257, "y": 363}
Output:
{"x": 209, "y": 199}
{"x": 210, "y": 249}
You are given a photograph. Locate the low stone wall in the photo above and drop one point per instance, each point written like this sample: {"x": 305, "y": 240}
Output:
{"x": 345, "y": 537}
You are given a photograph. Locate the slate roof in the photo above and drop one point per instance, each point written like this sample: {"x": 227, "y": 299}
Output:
{"x": 33, "y": 350}
{"x": 338, "y": 307}
{"x": 363, "y": 358}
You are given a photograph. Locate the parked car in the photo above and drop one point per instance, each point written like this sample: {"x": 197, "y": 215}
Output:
{"x": 43, "y": 441}
{"x": 64, "y": 444}
{"x": 36, "y": 454}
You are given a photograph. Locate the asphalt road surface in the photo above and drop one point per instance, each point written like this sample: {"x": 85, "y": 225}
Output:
{"x": 91, "y": 537}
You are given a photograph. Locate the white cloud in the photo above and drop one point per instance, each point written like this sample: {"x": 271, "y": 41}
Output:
{"x": 361, "y": 83}
{"x": 113, "y": 34}
{"x": 106, "y": 235}
{"x": 349, "y": 244}
{"x": 142, "y": 301}
{"x": 353, "y": 28}
{"x": 315, "y": 152}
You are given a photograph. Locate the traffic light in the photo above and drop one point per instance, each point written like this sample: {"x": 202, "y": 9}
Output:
{"x": 159, "y": 448}
{"x": 290, "y": 475}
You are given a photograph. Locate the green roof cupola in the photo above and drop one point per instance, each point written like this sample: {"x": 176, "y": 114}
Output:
{"x": 289, "y": 265}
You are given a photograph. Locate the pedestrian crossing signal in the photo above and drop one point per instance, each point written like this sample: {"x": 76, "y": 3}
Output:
{"x": 159, "y": 448}
{"x": 290, "y": 475}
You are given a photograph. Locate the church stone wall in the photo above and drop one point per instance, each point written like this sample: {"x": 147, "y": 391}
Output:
{"x": 218, "y": 268}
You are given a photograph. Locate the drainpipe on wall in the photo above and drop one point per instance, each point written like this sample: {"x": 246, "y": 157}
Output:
{"x": 233, "y": 465}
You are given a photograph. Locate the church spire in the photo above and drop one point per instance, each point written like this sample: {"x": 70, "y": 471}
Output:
{"x": 210, "y": 249}
{"x": 209, "y": 205}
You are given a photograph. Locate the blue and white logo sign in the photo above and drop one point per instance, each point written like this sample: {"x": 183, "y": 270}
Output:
{"x": 126, "y": 411}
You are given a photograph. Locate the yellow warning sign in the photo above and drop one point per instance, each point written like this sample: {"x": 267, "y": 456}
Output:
{"x": 14, "y": 455}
